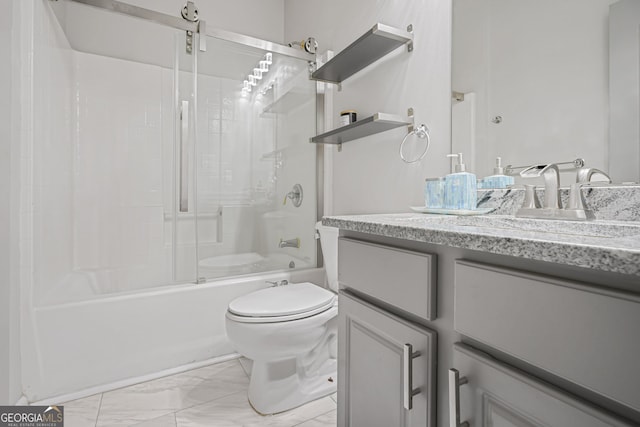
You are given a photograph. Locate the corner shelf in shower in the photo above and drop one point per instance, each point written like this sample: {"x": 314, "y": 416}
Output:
{"x": 272, "y": 155}
{"x": 373, "y": 45}
{"x": 287, "y": 102}
{"x": 379, "y": 122}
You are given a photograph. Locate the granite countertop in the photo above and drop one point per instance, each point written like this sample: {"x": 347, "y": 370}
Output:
{"x": 612, "y": 246}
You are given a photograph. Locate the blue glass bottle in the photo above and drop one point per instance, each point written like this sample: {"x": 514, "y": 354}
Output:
{"x": 434, "y": 193}
{"x": 498, "y": 179}
{"x": 460, "y": 188}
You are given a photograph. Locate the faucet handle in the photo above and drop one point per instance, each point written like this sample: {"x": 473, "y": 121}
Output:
{"x": 530, "y": 197}
{"x": 576, "y": 209}
{"x": 295, "y": 195}
{"x": 576, "y": 200}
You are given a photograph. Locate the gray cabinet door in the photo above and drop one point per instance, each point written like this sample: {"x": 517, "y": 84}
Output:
{"x": 497, "y": 395}
{"x": 372, "y": 381}
{"x": 582, "y": 333}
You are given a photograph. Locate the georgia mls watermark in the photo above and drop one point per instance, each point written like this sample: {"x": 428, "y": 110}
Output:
{"x": 31, "y": 416}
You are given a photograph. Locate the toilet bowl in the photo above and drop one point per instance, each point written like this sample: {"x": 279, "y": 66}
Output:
{"x": 290, "y": 333}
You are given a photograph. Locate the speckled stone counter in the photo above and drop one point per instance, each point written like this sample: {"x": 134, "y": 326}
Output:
{"x": 608, "y": 202}
{"x": 612, "y": 246}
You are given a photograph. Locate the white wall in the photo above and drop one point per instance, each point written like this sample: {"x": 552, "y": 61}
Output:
{"x": 368, "y": 175}
{"x": 53, "y": 151}
{"x": 10, "y": 385}
{"x": 5, "y": 194}
{"x": 543, "y": 67}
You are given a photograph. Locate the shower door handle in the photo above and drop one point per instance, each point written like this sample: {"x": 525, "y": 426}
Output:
{"x": 184, "y": 156}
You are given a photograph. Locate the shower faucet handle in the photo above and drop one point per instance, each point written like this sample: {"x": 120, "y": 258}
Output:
{"x": 295, "y": 195}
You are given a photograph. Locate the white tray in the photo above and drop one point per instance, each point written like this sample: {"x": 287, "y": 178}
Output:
{"x": 463, "y": 212}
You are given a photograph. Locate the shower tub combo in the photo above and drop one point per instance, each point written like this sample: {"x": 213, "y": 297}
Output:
{"x": 155, "y": 174}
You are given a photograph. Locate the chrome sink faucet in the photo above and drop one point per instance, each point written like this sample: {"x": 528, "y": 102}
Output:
{"x": 584, "y": 175}
{"x": 552, "y": 208}
{"x": 551, "y": 175}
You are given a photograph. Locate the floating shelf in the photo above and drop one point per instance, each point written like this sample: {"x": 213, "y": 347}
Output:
{"x": 373, "y": 45}
{"x": 379, "y": 122}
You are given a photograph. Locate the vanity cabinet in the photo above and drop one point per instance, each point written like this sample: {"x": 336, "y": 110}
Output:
{"x": 386, "y": 368}
{"x": 537, "y": 343}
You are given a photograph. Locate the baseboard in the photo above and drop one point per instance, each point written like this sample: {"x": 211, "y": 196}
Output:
{"x": 22, "y": 401}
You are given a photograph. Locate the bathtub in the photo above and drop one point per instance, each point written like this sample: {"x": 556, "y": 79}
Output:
{"x": 76, "y": 349}
{"x": 246, "y": 263}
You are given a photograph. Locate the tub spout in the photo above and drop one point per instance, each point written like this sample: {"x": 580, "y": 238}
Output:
{"x": 291, "y": 243}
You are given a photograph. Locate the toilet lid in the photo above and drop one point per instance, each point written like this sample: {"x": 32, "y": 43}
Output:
{"x": 285, "y": 300}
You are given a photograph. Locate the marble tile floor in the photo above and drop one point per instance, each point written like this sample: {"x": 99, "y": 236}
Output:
{"x": 212, "y": 396}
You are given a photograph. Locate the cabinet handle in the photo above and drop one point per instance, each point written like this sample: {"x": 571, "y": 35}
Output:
{"x": 407, "y": 376}
{"x": 184, "y": 156}
{"x": 454, "y": 398}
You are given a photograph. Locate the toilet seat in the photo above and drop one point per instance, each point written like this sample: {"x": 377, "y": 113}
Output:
{"x": 281, "y": 304}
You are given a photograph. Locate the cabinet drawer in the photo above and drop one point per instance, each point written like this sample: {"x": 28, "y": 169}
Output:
{"x": 403, "y": 278}
{"x": 579, "y": 332}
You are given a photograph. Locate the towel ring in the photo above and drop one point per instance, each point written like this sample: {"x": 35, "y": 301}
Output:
{"x": 421, "y": 132}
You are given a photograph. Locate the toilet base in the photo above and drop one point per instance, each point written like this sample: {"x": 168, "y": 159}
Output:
{"x": 283, "y": 385}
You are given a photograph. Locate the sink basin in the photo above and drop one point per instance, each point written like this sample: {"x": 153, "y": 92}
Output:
{"x": 601, "y": 229}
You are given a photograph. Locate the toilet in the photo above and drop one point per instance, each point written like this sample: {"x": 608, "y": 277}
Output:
{"x": 290, "y": 333}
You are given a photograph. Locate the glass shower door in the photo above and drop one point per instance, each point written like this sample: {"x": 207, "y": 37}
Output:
{"x": 105, "y": 154}
{"x": 154, "y": 166}
{"x": 183, "y": 204}
{"x": 255, "y": 114}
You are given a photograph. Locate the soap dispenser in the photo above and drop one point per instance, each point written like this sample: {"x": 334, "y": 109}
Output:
{"x": 498, "y": 179}
{"x": 460, "y": 188}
